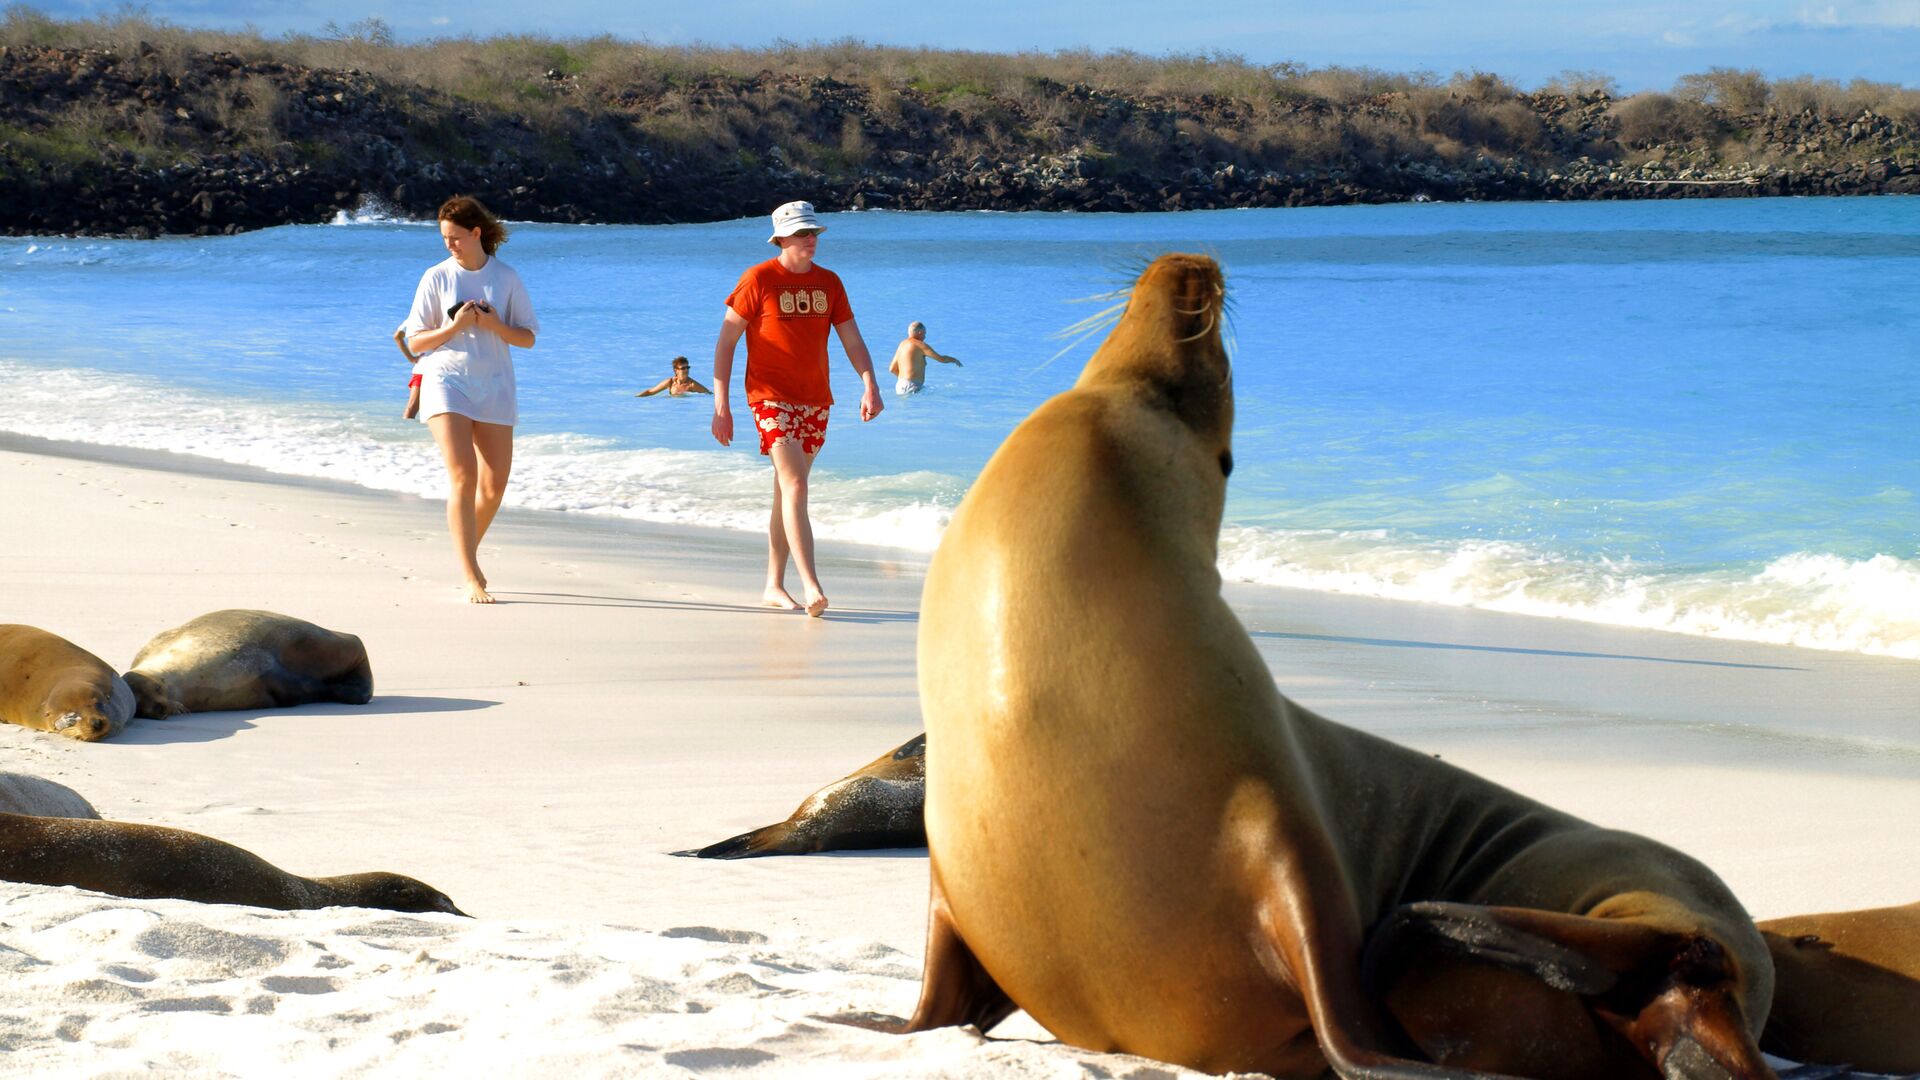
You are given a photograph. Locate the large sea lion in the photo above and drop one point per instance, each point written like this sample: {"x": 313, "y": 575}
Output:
{"x": 877, "y": 807}
{"x": 239, "y": 659}
{"x": 1847, "y": 988}
{"x": 1138, "y": 840}
{"x": 148, "y": 862}
{"x": 51, "y": 684}
{"x": 24, "y": 794}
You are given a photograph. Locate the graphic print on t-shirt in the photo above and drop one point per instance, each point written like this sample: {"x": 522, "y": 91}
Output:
{"x": 803, "y": 301}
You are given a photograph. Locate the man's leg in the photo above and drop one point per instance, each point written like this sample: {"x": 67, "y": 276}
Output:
{"x": 778, "y": 552}
{"x": 791, "y": 466}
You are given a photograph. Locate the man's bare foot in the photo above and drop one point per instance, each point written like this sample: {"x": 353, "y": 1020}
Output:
{"x": 816, "y": 603}
{"x": 777, "y": 597}
{"x": 477, "y": 593}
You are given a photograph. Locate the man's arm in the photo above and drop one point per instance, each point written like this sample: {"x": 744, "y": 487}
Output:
{"x": 696, "y": 388}
{"x": 731, "y": 327}
{"x": 657, "y": 387}
{"x": 856, "y": 346}
{"x": 928, "y": 349}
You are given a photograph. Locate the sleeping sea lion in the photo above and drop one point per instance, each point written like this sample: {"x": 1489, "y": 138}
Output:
{"x": 24, "y": 794}
{"x": 149, "y": 862}
{"x": 876, "y": 807}
{"x": 49, "y": 683}
{"x": 1135, "y": 838}
{"x": 1847, "y": 988}
{"x": 239, "y": 659}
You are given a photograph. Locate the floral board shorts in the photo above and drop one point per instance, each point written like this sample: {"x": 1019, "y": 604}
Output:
{"x": 803, "y": 424}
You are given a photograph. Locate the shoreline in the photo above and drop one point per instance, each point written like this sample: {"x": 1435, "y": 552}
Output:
{"x": 537, "y": 760}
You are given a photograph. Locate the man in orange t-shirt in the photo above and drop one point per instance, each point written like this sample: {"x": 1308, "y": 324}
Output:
{"x": 785, "y": 306}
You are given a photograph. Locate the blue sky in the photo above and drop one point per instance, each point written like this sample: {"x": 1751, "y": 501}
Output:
{"x": 1643, "y": 45}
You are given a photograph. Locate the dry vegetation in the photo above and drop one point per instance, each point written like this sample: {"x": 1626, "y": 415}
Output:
{"x": 584, "y": 126}
{"x": 1232, "y": 109}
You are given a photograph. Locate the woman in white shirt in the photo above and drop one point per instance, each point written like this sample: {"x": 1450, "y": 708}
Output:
{"x": 467, "y": 311}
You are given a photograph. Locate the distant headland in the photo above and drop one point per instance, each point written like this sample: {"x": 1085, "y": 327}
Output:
{"x": 129, "y": 126}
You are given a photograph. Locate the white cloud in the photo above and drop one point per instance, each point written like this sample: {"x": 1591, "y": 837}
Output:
{"x": 440, "y": 20}
{"x": 1677, "y": 38}
{"x": 1876, "y": 14}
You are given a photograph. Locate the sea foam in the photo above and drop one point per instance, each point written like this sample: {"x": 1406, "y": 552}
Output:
{"x": 1811, "y": 599}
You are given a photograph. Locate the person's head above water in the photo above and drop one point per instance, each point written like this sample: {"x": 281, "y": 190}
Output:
{"x": 917, "y": 329}
{"x": 680, "y": 365}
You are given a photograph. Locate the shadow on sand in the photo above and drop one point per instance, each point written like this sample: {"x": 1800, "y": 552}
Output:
{"x": 852, "y": 615}
{"x": 211, "y": 726}
{"x": 1390, "y": 643}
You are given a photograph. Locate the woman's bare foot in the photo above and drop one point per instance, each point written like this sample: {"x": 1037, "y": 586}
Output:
{"x": 816, "y": 603}
{"x": 777, "y": 597}
{"x": 477, "y": 593}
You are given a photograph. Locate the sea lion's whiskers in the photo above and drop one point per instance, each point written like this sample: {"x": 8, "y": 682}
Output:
{"x": 1099, "y": 321}
{"x": 1202, "y": 332}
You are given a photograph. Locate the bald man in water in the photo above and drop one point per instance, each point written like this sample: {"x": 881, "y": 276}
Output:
{"x": 909, "y": 362}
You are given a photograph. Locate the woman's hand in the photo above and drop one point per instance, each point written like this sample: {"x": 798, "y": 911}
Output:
{"x": 467, "y": 317}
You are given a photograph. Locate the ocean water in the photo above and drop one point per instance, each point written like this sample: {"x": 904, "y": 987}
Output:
{"x": 1698, "y": 416}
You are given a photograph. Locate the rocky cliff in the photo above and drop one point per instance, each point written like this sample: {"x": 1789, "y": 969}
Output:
{"x": 140, "y": 141}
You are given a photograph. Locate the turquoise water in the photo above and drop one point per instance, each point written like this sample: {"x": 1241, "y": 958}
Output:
{"x": 1702, "y": 416}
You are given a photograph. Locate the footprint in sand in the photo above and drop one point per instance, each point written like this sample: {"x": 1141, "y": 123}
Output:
{"x": 204, "y": 951}
{"x": 299, "y": 984}
{"x": 197, "y": 1004}
{"x": 708, "y": 933}
{"x": 424, "y": 1029}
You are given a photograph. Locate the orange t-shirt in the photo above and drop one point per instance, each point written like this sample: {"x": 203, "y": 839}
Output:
{"x": 788, "y": 317}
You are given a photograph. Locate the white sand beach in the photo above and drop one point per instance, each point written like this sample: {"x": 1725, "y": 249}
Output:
{"x": 540, "y": 759}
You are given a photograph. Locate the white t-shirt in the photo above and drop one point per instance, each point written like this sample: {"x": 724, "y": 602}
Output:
{"x": 472, "y": 374}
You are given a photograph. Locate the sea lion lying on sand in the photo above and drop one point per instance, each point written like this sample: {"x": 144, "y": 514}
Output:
{"x": 149, "y": 862}
{"x": 1847, "y": 988}
{"x": 1138, "y": 840}
{"x": 877, "y": 807}
{"x": 51, "y": 684}
{"x": 240, "y": 659}
{"x": 24, "y": 794}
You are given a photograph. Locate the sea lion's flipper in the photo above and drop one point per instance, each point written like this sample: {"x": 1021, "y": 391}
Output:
{"x": 766, "y": 840}
{"x": 881, "y": 805}
{"x": 955, "y": 988}
{"x": 1669, "y": 995}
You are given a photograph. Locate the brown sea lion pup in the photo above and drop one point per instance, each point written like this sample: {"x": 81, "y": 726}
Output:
{"x": 51, "y": 684}
{"x": 239, "y": 659}
{"x": 148, "y": 862}
{"x": 1847, "y": 988}
{"x": 876, "y": 807}
{"x": 1135, "y": 838}
{"x": 24, "y": 794}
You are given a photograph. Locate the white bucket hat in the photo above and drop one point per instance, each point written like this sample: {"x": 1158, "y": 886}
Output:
{"x": 791, "y": 217}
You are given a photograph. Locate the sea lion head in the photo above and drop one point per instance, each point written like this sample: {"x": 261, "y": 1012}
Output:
{"x": 1168, "y": 343}
{"x": 393, "y": 892}
{"x": 150, "y": 698}
{"x": 84, "y": 709}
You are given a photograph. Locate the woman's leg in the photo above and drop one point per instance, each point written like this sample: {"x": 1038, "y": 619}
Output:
{"x": 454, "y": 435}
{"x": 778, "y": 551}
{"x": 493, "y": 443}
{"x": 791, "y": 466}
